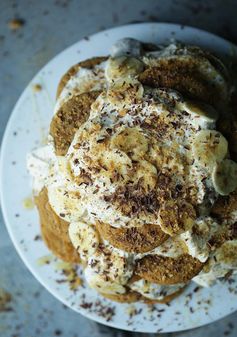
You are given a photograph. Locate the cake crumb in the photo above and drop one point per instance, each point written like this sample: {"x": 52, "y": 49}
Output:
{"x": 5, "y": 299}
{"x": 37, "y": 87}
{"x": 16, "y": 23}
{"x": 131, "y": 311}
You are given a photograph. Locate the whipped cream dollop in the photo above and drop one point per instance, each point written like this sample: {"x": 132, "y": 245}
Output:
{"x": 140, "y": 155}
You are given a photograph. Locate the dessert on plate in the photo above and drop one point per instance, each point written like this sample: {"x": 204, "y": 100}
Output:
{"x": 138, "y": 180}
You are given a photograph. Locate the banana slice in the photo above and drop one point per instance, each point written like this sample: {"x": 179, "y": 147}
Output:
{"x": 131, "y": 141}
{"x": 202, "y": 111}
{"x": 115, "y": 158}
{"x": 176, "y": 217}
{"x": 66, "y": 204}
{"x": 112, "y": 264}
{"x": 84, "y": 238}
{"x": 124, "y": 92}
{"x": 98, "y": 283}
{"x": 123, "y": 67}
{"x": 224, "y": 177}
{"x": 146, "y": 173}
{"x": 227, "y": 254}
{"x": 209, "y": 147}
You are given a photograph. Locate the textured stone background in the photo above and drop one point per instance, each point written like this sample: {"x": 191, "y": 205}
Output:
{"x": 49, "y": 27}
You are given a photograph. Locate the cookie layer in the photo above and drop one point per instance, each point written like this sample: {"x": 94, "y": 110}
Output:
{"x": 55, "y": 230}
{"x": 135, "y": 239}
{"x": 70, "y": 116}
{"x": 166, "y": 270}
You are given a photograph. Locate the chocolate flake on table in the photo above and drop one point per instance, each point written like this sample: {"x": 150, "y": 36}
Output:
{"x": 38, "y": 238}
{"x": 71, "y": 277}
{"x": 37, "y": 87}
{"x": 133, "y": 311}
{"x": 196, "y": 289}
{"x": 102, "y": 310}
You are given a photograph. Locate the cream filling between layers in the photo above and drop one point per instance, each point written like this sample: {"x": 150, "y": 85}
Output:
{"x": 155, "y": 291}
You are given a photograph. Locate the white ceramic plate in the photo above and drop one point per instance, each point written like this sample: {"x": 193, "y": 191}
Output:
{"x": 27, "y": 128}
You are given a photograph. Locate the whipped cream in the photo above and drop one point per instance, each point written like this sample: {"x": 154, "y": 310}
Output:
{"x": 109, "y": 270}
{"x": 38, "y": 165}
{"x": 197, "y": 238}
{"x": 222, "y": 261}
{"x": 155, "y": 291}
{"x": 173, "y": 247}
{"x": 126, "y": 46}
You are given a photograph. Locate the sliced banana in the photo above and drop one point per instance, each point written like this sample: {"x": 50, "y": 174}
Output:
{"x": 97, "y": 282}
{"x": 176, "y": 216}
{"x": 60, "y": 174}
{"x": 124, "y": 92}
{"x": 131, "y": 141}
{"x": 114, "y": 160}
{"x": 84, "y": 238}
{"x": 200, "y": 110}
{"x": 123, "y": 67}
{"x": 145, "y": 173}
{"x": 209, "y": 147}
{"x": 224, "y": 177}
{"x": 227, "y": 254}
{"x": 66, "y": 204}
{"x": 113, "y": 265}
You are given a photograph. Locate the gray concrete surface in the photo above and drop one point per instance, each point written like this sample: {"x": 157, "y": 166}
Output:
{"x": 50, "y": 26}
